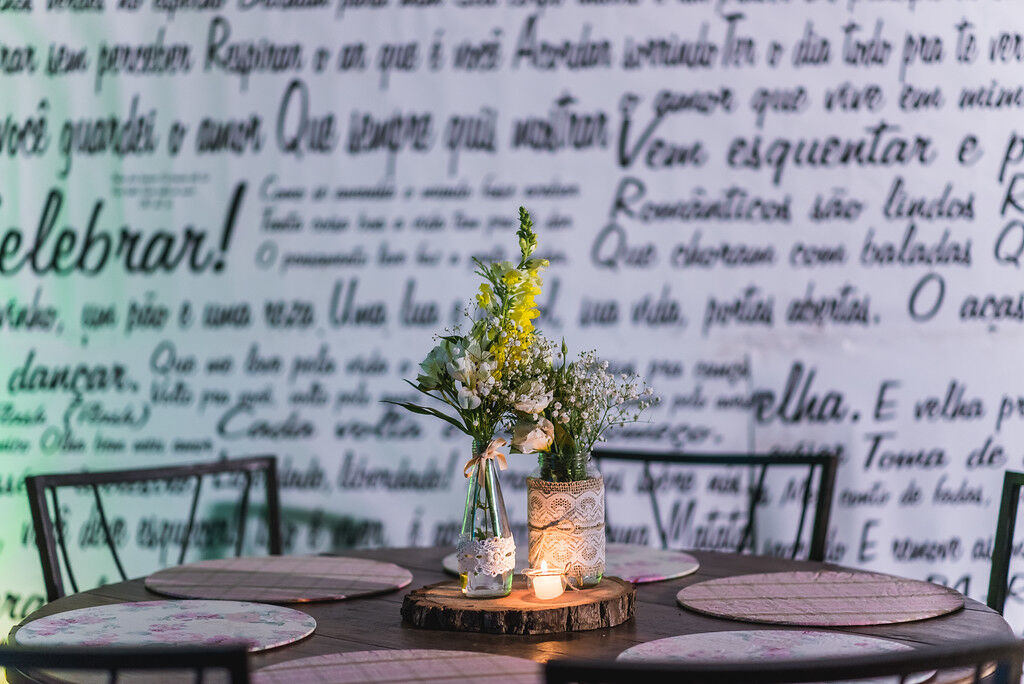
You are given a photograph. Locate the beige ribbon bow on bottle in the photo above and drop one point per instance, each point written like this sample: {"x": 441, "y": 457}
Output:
{"x": 491, "y": 452}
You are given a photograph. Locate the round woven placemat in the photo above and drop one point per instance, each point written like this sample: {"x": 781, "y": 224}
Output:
{"x": 393, "y": 667}
{"x": 820, "y": 599}
{"x": 280, "y": 579}
{"x": 768, "y": 645}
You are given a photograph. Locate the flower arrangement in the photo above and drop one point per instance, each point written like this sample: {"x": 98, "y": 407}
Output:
{"x": 468, "y": 371}
{"x": 501, "y": 375}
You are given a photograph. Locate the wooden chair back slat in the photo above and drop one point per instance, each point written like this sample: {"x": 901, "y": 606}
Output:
{"x": 243, "y": 512}
{"x": 805, "y": 504}
{"x": 50, "y": 537}
{"x": 233, "y": 659}
{"x": 63, "y": 544}
{"x": 106, "y": 531}
{"x": 750, "y": 530}
{"x": 193, "y": 507}
{"x": 1006, "y": 653}
{"x": 1002, "y": 546}
{"x": 825, "y": 464}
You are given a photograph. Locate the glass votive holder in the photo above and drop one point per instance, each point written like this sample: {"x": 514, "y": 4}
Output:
{"x": 547, "y": 583}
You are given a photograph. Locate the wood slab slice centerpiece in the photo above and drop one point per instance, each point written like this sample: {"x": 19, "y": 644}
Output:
{"x": 443, "y": 606}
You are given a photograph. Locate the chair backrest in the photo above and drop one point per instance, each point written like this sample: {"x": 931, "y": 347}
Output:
{"x": 232, "y": 659}
{"x": 1002, "y": 547}
{"x": 997, "y": 662}
{"x": 49, "y": 531}
{"x": 827, "y": 464}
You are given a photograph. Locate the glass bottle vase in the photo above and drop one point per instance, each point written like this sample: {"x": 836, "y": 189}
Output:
{"x": 486, "y": 551}
{"x": 565, "y": 517}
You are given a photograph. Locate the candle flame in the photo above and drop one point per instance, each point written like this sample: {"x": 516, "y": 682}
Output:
{"x": 543, "y": 566}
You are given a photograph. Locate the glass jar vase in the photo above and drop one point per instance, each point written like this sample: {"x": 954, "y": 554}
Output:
{"x": 565, "y": 517}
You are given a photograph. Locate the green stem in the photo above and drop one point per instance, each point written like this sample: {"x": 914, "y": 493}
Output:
{"x": 492, "y": 501}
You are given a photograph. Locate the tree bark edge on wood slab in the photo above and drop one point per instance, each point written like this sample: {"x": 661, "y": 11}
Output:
{"x": 443, "y": 606}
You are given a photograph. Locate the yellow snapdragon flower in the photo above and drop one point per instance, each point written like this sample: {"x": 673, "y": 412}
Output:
{"x": 522, "y": 315}
{"x": 486, "y": 296}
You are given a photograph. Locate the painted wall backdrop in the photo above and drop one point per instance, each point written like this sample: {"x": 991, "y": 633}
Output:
{"x": 231, "y": 227}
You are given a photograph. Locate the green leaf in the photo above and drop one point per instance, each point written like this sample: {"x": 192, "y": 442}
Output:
{"x": 424, "y": 391}
{"x": 427, "y": 411}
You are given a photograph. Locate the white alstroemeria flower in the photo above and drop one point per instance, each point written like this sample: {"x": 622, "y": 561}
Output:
{"x": 461, "y": 366}
{"x": 530, "y": 438}
{"x": 468, "y": 398}
{"x": 472, "y": 365}
{"x": 476, "y": 354}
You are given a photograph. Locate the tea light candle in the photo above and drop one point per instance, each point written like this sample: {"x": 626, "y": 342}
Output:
{"x": 547, "y": 584}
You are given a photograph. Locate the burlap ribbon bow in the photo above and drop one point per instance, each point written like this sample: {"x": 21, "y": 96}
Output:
{"x": 491, "y": 452}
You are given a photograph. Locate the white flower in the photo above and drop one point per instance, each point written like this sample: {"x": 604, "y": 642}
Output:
{"x": 460, "y": 368}
{"x": 476, "y": 354}
{"x": 528, "y": 438}
{"x": 468, "y": 398}
{"x": 485, "y": 385}
{"x": 472, "y": 366}
{"x": 533, "y": 399}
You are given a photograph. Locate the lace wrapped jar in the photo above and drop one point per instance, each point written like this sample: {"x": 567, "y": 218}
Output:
{"x": 486, "y": 551}
{"x": 565, "y": 516}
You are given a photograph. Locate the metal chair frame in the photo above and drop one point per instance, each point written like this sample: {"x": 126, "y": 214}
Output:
{"x": 49, "y": 532}
{"x": 1002, "y": 547}
{"x": 979, "y": 657}
{"x": 233, "y": 659}
{"x": 827, "y": 463}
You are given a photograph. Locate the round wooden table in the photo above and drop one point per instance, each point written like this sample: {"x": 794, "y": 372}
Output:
{"x": 375, "y": 623}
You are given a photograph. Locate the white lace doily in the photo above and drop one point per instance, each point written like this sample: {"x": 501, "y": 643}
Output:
{"x": 491, "y": 557}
